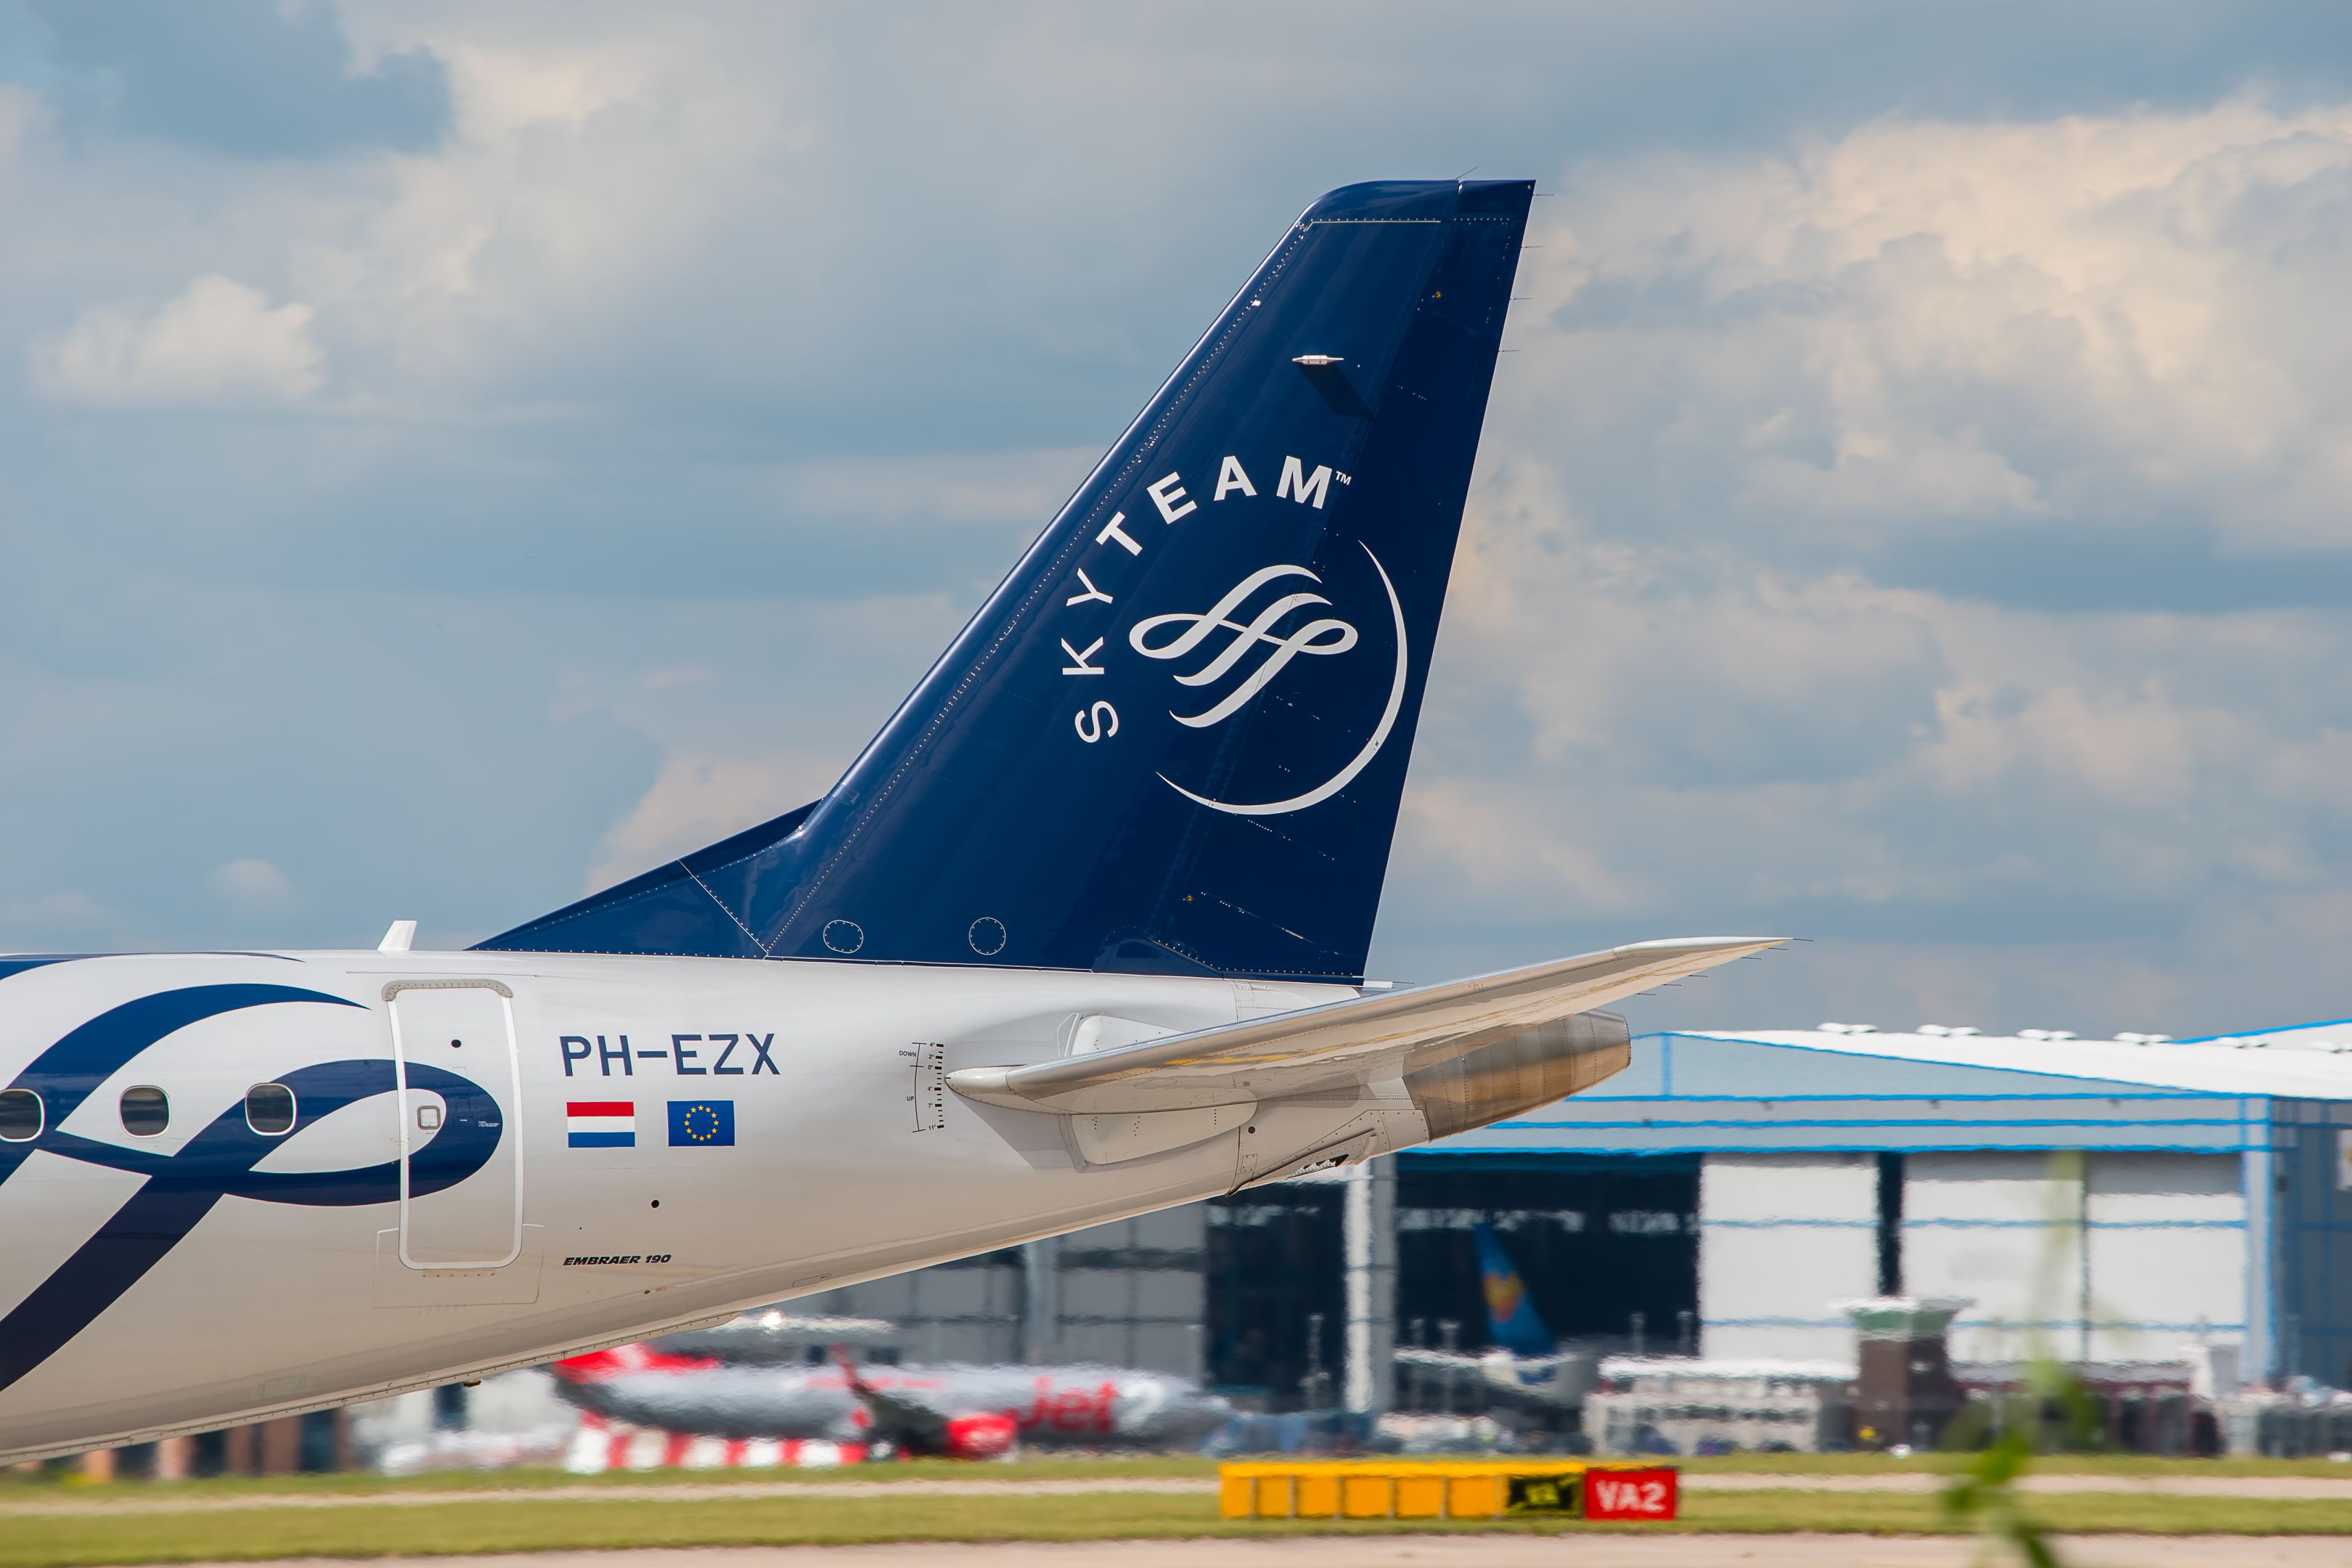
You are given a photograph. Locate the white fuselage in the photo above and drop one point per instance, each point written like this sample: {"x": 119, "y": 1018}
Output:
{"x": 787, "y": 1131}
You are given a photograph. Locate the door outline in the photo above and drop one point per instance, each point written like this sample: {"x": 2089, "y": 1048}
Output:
{"x": 509, "y": 1109}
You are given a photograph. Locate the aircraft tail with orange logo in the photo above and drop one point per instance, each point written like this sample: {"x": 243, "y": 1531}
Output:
{"x": 1511, "y": 1317}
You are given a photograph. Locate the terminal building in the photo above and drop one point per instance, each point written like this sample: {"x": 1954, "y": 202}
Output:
{"x": 2101, "y": 1201}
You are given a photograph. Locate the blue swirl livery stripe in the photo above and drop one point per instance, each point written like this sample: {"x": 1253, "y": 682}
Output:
{"x": 182, "y": 1188}
{"x": 66, "y": 1073}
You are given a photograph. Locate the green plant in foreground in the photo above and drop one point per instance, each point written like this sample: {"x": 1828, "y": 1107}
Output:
{"x": 1984, "y": 1497}
{"x": 2055, "y": 1411}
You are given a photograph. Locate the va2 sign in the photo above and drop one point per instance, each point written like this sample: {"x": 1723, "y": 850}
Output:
{"x": 1630, "y": 1494}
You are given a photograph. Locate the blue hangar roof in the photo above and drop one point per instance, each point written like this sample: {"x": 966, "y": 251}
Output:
{"x": 1799, "y": 1089}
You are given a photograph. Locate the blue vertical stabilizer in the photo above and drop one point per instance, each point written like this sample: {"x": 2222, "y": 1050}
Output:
{"x": 1511, "y": 1317}
{"x": 1174, "y": 739}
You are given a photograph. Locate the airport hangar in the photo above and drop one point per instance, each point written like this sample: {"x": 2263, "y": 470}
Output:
{"x": 2102, "y": 1201}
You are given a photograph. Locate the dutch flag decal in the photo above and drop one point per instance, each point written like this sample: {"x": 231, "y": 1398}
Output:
{"x": 601, "y": 1123}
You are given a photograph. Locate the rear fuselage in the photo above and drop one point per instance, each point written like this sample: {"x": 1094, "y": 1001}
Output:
{"x": 497, "y": 1158}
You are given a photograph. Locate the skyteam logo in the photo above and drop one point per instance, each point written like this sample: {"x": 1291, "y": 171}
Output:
{"x": 1262, "y": 636}
{"x": 1236, "y": 650}
{"x": 1317, "y": 637}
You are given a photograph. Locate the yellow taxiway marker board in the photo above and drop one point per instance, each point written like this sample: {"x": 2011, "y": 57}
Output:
{"x": 1458, "y": 1489}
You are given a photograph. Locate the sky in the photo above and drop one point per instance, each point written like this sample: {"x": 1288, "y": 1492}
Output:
{"x": 453, "y": 457}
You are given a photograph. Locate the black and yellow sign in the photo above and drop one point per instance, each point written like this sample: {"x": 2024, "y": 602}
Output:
{"x": 1543, "y": 1494}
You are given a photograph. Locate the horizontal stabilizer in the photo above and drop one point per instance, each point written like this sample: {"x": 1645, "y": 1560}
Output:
{"x": 1361, "y": 1040}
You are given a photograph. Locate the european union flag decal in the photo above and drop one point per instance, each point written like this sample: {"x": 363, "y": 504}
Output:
{"x": 702, "y": 1121}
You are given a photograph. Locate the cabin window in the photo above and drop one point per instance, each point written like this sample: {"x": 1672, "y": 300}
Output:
{"x": 20, "y": 1115}
{"x": 145, "y": 1111}
{"x": 270, "y": 1108}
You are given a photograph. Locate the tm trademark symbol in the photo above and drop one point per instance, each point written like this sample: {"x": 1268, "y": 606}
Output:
{"x": 1343, "y": 479}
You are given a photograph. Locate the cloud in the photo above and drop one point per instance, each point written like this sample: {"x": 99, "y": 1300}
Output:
{"x": 699, "y": 799}
{"x": 1018, "y": 487}
{"x": 71, "y": 912}
{"x": 251, "y": 887}
{"x": 20, "y": 112}
{"x": 218, "y": 344}
{"x": 2081, "y": 324}
{"x": 253, "y": 78}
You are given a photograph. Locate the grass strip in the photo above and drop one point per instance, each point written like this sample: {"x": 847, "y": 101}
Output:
{"x": 14, "y": 1484}
{"x": 360, "y": 1531}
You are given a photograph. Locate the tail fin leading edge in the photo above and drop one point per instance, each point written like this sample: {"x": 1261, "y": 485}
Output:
{"x": 1174, "y": 739}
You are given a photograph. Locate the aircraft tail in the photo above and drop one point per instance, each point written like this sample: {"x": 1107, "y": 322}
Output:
{"x": 1173, "y": 741}
{"x": 1511, "y": 1317}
